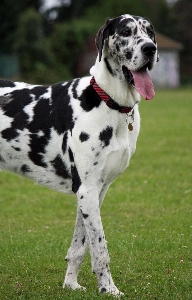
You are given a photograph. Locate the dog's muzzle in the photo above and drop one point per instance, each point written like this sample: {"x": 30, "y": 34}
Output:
{"x": 140, "y": 78}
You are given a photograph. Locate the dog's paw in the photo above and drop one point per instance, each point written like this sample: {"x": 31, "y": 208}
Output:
{"x": 112, "y": 290}
{"x": 74, "y": 286}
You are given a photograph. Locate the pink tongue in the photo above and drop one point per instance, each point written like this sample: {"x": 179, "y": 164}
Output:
{"x": 143, "y": 84}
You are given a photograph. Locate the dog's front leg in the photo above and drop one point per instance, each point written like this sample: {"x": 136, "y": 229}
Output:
{"x": 88, "y": 203}
{"x": 78, "y": 249}
{"x": 76, "y": 253}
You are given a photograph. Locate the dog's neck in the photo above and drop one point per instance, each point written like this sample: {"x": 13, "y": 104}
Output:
{"x": 114, "y": 85}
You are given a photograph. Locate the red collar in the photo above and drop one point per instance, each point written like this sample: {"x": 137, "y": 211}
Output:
{"x": 108, "y": 100}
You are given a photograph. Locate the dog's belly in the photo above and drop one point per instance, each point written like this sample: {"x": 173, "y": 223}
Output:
{"x": 51, "y": 180}
{"x": 50, "y": 168}
{"x": 43, "y": 176}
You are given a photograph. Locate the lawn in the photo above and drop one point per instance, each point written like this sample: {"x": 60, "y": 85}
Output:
{"x": 147, "y": 217}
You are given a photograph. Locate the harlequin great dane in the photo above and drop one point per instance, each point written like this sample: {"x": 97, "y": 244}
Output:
{"x": 78, "y": 136}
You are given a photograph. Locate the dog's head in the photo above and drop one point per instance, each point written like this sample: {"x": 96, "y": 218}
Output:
{"x": 129, "y": 43}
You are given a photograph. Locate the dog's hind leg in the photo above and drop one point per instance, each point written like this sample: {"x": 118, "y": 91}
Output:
{"x": 76, "y": 253}
{"x": 88, "y": 202}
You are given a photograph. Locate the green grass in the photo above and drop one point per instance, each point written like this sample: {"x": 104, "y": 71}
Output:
{"x": 147, "y": 216}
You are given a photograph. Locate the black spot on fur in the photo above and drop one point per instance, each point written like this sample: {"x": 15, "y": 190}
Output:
{"x": 35, "y": 154}
{"x": 71, "y": 157}
{"x": 16, "y": 148}
{"x": 25, "y": 169}
{"x": 41, "y": 122}
{"x": 100, "y": 239}
{"x": 62, "y": 113}
{"x": 1, "y": 159}
{"x": 37, "y": 145}
{"x": 7, "y": 83}
{"x": 106, "y": 135}
{"x": 20, "y": 98}
{"x": 129, "y": 54}
{"x": 74, "y": 88}
{"x": 121, "y": 26}
{"x": 83, "y": 240}
{"x": 128, "y": 75}
{"x": 64, "y": 143}
{"x": 89, "y": 99}
{"x": 96, "y": 163}
{"x": 76, "y": 181}
{"x": 9, "y": 134}
{"x": 109, "y": 68}
{"x": 38, "y": 91}
{"x": 60, "y": 167}
{"x": 135, "y": 31}
{"x": 84, "y": 137}
{"x": 116, "y": 26}
{"x": 85, "y": 216}
{"x": 20, "y": 121}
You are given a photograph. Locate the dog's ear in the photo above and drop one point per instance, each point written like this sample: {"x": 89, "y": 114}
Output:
{"x": 101, "y": 35}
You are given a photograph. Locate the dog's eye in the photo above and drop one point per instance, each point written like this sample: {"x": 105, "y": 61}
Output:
{"x": 126, "y": 32}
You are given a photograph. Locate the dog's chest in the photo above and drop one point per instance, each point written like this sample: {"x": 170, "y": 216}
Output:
{"x": 115, "y": 163}
{"x": 118, "y": 158}
{"x": 123, "y": 145}
{"x": 116, "y": 153}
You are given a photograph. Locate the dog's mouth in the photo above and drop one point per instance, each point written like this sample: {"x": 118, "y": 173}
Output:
{"x": 141, "y": 80}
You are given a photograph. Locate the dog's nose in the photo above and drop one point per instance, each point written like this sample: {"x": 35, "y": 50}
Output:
{"x": 148, "y": 49}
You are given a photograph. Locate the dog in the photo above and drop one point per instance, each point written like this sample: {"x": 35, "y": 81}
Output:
{"x": 78, "y": 136}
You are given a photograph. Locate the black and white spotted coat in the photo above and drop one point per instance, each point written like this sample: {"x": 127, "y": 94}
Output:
{"x": 65, "y": 137}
